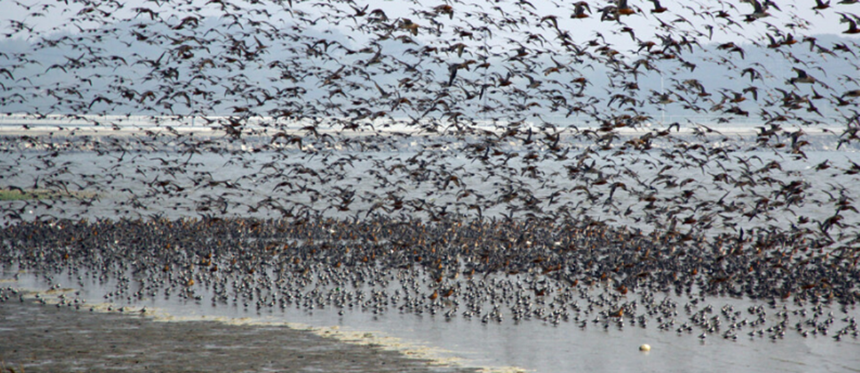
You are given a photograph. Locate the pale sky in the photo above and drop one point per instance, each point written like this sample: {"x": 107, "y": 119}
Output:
{"x": 644, "y": 23}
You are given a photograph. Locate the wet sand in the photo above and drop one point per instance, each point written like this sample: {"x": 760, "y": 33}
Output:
{"x": 47, "y": 338}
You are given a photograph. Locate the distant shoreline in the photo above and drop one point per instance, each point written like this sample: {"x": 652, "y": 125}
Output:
{"x": 42, "y": 130}
{"x": 30, "y": 125}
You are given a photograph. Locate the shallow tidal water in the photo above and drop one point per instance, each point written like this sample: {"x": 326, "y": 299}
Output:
{"x": 416, "y": 340}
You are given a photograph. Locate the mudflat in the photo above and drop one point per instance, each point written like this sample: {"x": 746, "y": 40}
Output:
{"x": 45, "y": 338}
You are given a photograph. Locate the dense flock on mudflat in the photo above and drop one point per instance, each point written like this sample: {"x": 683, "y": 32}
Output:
{"x": 611, "y": 164}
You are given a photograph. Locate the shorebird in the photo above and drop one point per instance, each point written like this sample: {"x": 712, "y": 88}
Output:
{"x": 759, "y": 10}
{"x": 657, "y": 7}
{"x": 580, "y": 9}
{"x": 801, "y": 77}
{"x": 851, "y": 20}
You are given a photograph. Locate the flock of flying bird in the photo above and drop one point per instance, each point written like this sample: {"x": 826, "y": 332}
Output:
{"x": 500, "y": 121}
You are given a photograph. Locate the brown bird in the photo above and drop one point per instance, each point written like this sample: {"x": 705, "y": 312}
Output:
{"x": 820, "y": 5}
{"x": 614, "y": 12}
{"x": 801, "y": 77}
{"x": 623, "y": 9}
{"x": 407, "y": 24}
{"x": 657, "y": 7}
{"x": 852, "y": 23}
{"x": 579, "y": 10}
